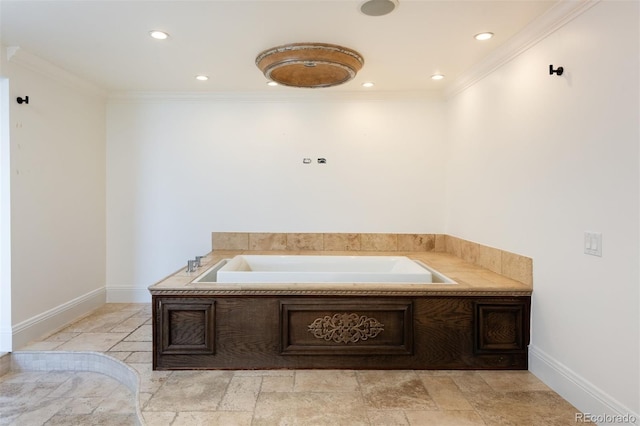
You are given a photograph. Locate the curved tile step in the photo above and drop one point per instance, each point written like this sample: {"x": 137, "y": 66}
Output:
{"x": 79, "y": 361}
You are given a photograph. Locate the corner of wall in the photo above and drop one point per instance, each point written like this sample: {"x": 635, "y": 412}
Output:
{"x": 128, "y": 294}
{"x": 56, "y": 318}
{"x": 34, "y": 63}
{"x": 576, "y": 389}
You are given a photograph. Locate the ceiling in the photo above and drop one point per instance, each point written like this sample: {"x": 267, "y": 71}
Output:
{"x": 108, "y": 42}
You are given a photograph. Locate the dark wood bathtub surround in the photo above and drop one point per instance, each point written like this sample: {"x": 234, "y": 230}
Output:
{"x": 273, "y": 332}
{"x": 480, "y": 323}
{"x": 511, "y": 265}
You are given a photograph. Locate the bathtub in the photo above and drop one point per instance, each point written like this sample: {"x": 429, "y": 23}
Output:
{"x": 321, "y": 269}
{"x": 256, "y": 312}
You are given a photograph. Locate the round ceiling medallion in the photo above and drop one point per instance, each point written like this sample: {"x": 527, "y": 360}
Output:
{"x": 310, "y": 65}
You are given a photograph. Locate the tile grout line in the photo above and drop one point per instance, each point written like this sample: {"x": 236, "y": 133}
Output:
{"x": 499, "y": 385}
{"x": 78, "y": 358}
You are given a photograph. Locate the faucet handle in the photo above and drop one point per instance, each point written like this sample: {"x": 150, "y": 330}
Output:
{"x": 191, "y": 265}
{"x": 197, "y": 261}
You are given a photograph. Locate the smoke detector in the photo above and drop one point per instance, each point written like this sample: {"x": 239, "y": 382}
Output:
{"x": 378, "y": 7}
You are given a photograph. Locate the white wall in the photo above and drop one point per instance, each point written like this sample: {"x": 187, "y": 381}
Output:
{"x": 535, "y": 160}
{"x": 179, "y": 169}
{"x": 57, "y": 197}
{"x": 5, "y": 220}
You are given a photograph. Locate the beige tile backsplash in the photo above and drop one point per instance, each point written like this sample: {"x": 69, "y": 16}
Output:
{"x": 511, "y": 265}
{"x": 341, "y": 242}
{"x": 379, "y": 242}
{"x": 305, "y": 242}
{"x": 267, "y": 241}
{"x": 230, "y": 241}
{"x": 416, "y": 242}
{"x": 517, "y": 267}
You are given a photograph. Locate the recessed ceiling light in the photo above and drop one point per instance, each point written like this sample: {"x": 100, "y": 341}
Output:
{"x": 158, "y": 35}
{"x": 202, "y": 77}
{"x": 437, "y": 77}
{"x": 272, "y": 83}
{"x": 483, "y": 36}
{"x": 367, "y": 84}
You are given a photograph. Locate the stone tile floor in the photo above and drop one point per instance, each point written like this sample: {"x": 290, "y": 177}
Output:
{"x": 64, "y": 398}
{"x": 272, "y": 397}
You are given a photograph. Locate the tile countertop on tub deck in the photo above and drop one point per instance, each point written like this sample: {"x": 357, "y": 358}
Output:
{"x": 471, "y": 280}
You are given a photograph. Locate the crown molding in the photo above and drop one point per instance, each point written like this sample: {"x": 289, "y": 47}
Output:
{"x": 556, "y": 17}
{"x": 296, "y": 95}
{"x": 31, "y": 62}
{"x": 549, "y": 22}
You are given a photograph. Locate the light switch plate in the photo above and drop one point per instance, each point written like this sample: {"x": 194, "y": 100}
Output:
{"x": 593, "y": 243}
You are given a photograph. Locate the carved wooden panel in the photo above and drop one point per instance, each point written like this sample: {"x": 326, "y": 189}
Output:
{"x": 501, "y": 327}
{"x": 249, "y": 332}
{"x": 188, "y": 326}
{"x": 326, "y": 327}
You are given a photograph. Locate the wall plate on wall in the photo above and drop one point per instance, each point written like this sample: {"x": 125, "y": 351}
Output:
{"x": 593, "y": 243}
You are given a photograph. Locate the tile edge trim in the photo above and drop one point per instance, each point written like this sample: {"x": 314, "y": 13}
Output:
{"x": 95, "y": 362}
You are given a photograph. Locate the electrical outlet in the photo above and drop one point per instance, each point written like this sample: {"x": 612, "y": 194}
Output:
{"x": 593, "y": 243}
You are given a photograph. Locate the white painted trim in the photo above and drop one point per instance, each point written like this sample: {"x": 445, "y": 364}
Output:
{"x": 128, "y": 294}
{"x": 584, "y": 395}
{"x": 5, "y": 218}
{"x": 36, "y": 64}
{"x": 5, "y": 339}
{"x": 552, "y": 20}
{"x": 298, "y": 96}
{"x": 56, "y": 318}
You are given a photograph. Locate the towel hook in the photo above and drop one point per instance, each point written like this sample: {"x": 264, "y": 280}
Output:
{"x": 557, "y": 71}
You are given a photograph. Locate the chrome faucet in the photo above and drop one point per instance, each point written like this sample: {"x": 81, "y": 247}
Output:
{"x": 191, "y": 265}
{"x": 198, "y": 264}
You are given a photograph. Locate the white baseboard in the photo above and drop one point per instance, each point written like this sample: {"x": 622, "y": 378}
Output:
{"x": 123, "y": 294}
{"x": 55, "y": 318}
{"x": 5, "y": 339}
{"x": 582, "y": 394}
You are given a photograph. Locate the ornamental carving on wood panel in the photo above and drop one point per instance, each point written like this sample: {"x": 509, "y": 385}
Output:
{"x": 345, "y": 328}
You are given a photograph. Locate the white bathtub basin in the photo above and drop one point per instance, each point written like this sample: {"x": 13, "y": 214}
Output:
{"x": 321, "y": 269}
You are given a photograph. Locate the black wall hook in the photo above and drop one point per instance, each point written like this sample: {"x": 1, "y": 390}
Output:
{"x": 557, "y": 71}
{"x": 24, "y": 100}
